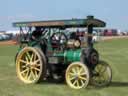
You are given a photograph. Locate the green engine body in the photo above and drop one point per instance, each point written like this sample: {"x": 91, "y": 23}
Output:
{"x": 67, "y": 56}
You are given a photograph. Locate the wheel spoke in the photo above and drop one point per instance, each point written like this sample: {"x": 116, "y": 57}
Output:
{"x": 73, "y": 70}
{"x": 72, "y": 78}
{"x": 23, "y": 61}
{"x": 36, "y": 73}
{"x": 34, "y": 56}
{"x": 74, "y": 82}
{"x": 83, "y": 78}
{"x": 83, "y": 74}
{"x": 99, "y": 67}
{"x": 81, "y": 69}
{"x": 26, "y": 58}
{"x": 104, "y": 77}
{"x": 28, "y": 55}
{"x": 23, "y": 66}
{"x": 26, "y": 76}
{"x": 77, "y": 69}
{"x": 24, "y": 71}
{"x": 37, "y": 69}
{"x": 29, "y": 77}
{"x": 71, "y": 73}
{"x": 38, "y": 65}
{"x": 33, "y": 75}
{"x": 36, "y": 61}
{"x": 82, "y": 82}
{"x": 103, "y": 69}
{"x": 31, "y": 59}
{"x": 77, "y": 83}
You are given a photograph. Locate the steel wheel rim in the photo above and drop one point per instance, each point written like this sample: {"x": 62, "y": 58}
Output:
{"x": 77, "y": 76}
{"x": 29, "y": 65}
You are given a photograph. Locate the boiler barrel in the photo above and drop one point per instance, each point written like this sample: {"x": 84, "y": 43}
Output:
{"x": 72, "y": 55}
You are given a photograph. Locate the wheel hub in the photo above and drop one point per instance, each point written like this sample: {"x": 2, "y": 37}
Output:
{"x": 76, "y": 77}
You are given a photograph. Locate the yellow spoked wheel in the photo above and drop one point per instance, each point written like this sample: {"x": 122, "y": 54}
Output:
{"x": 30, "y": 65}
{"x": 77, "y": 75}
{"x": 102, "y": 74}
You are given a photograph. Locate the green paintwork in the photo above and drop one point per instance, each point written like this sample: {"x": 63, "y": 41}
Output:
{"x": 69, "y": 55}
{"x": 72, "y": 55}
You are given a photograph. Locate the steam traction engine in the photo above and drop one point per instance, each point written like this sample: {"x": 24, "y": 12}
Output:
{"x": 48, "y": 50}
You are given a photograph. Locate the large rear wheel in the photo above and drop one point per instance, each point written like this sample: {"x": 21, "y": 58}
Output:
{"x": 77, "y": 75}
{"x": 30, "y": 65}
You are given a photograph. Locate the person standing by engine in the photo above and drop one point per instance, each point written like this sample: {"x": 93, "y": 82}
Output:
{"x": 36, "y": 35}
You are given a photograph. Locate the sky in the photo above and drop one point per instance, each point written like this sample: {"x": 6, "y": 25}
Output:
{"x": 113, "y": 12}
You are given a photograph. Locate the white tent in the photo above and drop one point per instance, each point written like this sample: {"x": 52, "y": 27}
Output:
{"x": 14, "y": 32}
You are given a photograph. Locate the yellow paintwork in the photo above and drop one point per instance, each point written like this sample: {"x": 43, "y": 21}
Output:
{"x": 77, "y": 75}
{"x": 29, "y": 65}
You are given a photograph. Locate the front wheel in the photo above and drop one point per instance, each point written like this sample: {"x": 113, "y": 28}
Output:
{"x": 77, "y": 75}
{"x": 30, "y": 65}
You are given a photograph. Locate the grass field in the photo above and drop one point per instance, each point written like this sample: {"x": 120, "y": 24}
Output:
{"x": 114, "y": 52}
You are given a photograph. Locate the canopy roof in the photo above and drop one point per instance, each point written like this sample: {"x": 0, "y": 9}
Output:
{"x": 90, "y": 20}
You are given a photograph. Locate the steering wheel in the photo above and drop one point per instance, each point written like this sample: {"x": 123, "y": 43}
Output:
{"x": 58, "y": 40}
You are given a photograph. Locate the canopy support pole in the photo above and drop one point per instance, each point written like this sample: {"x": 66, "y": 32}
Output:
{"x": 89, "y": 36}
